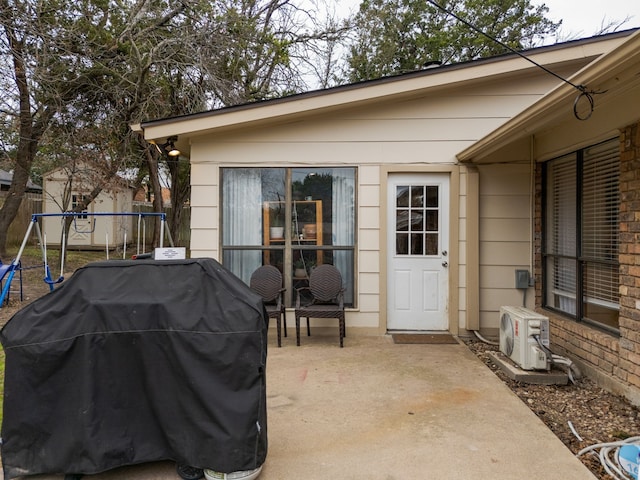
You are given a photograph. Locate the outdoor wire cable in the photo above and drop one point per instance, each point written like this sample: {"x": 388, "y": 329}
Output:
{"x": 584, "y": 92}
{"x": 613, "y": 468}
{"x": 559, "y": 360}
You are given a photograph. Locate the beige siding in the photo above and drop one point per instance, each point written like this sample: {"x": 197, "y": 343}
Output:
{"x": 205, "y": 217}
{"x": 204, "y": 195}
{"x": 369, "y": 196}
{"x": 369, "y": 176}
{"x": 369, "y": 260}
{"x": 428, "y": 129}
{"x": 504, "y": 252}
{"x": 205, "y": 211}
{"x": 495, "y": 206}
{"x": 469, "y": 284}
{"x": 502, "y": 230}
{"x": 346, "y": 130}
{"x": 505, "y": 232}
{"x": 368, "y": 264}
{"x": 462, "y": 247}
{"x": 364, "y": 152}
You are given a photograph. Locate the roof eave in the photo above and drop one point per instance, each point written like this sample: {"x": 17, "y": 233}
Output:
{"x": 360, "y": 94}
{"x": 608, "y": 70}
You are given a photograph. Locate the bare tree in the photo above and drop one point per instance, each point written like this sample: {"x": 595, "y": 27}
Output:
{"x": 73, "y": 79}
{"x": 32, "y": 120}
{"x": 83, "y": 71}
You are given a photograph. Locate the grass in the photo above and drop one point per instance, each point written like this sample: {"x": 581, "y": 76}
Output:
{"x": 32, "y": 256}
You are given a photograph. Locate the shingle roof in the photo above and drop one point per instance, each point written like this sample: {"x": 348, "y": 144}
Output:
{"x": 7, "y": 177}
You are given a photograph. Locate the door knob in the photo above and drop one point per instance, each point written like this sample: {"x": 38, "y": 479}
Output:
{"x": 445, "y": 264}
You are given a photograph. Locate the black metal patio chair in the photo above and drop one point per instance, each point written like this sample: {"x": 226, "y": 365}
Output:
{"x": 327, "y": 299}
{"x": 266, "y": 281}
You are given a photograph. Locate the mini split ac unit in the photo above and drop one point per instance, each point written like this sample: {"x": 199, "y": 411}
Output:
{"x": 520, "y": 329}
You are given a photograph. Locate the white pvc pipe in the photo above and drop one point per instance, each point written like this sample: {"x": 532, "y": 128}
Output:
{"x": 62, "y": 252}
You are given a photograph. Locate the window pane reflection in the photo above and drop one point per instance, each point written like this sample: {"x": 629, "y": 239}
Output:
{"x": 432, "y": 197}
{"x": 417, "y": 221}
{"x": 402, "y": 244}
{"x": 402, "y": 196}
{"x": 417, "y": 196}
{"x": 432, "y": 221}
{"x": 416, "y": 244}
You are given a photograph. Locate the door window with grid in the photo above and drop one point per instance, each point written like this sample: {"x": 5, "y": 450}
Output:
{"x": 582, "y": 202}
{"x": 417, "y": 215}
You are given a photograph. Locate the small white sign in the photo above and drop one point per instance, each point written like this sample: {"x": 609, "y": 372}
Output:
{"x": 170, "y": 253}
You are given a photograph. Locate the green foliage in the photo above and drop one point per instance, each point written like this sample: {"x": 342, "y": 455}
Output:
{"x": 398, "y": 36}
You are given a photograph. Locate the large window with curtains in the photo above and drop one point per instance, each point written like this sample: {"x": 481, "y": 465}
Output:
{"x": 581, "y": 234}
{"x": 292, "y": 218}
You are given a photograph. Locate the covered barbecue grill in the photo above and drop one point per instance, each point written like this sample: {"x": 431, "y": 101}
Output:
{"x": 137, "y": 361}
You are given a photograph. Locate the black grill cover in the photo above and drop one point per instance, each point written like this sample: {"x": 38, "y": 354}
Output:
{"x": 137, "y": 361}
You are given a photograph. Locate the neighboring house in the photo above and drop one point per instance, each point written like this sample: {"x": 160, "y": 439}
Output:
{"x": 429, "y": 190}
{"x": 7, "y": 177}
{"x": 144, "y": 195}
{"x": 87, "y": 231}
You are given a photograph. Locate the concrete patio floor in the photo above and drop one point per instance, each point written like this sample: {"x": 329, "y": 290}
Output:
{"x": 379, "y": 411}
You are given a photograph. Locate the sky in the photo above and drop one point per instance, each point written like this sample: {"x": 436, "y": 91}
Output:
{"x": 580, "y": 18}
{"x": 583, "y": 18}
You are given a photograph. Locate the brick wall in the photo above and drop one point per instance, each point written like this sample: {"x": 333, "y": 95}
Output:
{"x": 613, "y": 362}
{"x": 629, "y": 359}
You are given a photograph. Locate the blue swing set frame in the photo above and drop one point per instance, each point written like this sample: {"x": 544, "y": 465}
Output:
{"x": 10, "y": 270}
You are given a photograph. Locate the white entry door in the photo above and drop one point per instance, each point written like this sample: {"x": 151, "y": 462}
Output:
{"x": 417, "y": 246}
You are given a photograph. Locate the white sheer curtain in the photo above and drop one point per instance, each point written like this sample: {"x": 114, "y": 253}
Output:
{"x": 343, "y": 225}
{"x": 242, "y": 219}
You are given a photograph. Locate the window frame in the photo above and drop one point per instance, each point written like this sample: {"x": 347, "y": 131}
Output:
{"x": 582, "y": 262}
{"x": 289, "y": 246}
{"x": 76, "y": 200}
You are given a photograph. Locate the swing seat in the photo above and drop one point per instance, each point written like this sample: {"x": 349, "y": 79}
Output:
{"x": 50, "y": 281}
